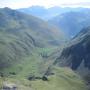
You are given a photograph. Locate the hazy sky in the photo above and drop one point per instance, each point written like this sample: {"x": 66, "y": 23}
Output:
{"x": 47, "y": 3}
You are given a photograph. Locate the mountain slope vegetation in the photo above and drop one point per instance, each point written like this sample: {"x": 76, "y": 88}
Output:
{"x": 63, "y": 79}
{"x": 20, "y": 34}
{"x": 26, "y": 42}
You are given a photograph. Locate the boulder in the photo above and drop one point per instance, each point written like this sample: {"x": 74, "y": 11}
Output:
{"x": 44, "y": 78}
{"x": 9, "y": 86}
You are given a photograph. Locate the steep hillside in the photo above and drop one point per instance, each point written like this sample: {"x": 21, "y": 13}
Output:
{"x": 21, "y": 35}
{"x": 76, "y": 54}
{"x": 14, "y": 21}
{"x": 72, "y": 22}
{"x": 63, "y": 79}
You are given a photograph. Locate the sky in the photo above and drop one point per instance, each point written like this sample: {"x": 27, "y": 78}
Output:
{"x": 15, "y": 4}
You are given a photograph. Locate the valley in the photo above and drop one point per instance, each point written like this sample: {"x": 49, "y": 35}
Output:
{"x": 36, "y": 54}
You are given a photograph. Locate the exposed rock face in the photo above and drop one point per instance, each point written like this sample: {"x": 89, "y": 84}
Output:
{"x": 77, "y": 54}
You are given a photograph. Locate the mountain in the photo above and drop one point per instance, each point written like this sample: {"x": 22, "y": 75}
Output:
{"x": 49, "y": 13}
{"x": 25, "y": 43}
{"x": 72, "y": 22}
{"x": 37, "y": 11}
{"x": 76, "y": 54}
{"x": 41, "y": 12}
{"x": 21, "y": 34}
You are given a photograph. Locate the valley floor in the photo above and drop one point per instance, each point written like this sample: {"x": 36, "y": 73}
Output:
{"x": 63, "y": 79}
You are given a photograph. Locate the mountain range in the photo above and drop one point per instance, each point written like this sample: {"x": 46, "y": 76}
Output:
{"x": 72, "y": 22}
{"x": 69, "y": 20}
{"x": 48, "y": 13}
{"x": 36, "y": 55}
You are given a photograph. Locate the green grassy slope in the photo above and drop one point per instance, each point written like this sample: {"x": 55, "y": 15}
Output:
{"x": 14, "y": 22}
{"x": 64, "y": 79}
{"x": 21, "y": 35}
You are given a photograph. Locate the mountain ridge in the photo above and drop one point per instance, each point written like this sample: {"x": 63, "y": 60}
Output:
{"x": 72, "y": 22}
{"x": 21, "y": 34}
{"x": 48, "y": 13}
{"x": 77, "y": 53}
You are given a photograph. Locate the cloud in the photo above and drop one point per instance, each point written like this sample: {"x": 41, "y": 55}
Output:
{"x": 46, "y": 3}
{"x": 79, "y": 3}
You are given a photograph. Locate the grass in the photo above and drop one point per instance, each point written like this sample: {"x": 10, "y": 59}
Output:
{"x": 33, "y": 64}
{"x": 64, "y": 79}
{"x": 1, "y": 83}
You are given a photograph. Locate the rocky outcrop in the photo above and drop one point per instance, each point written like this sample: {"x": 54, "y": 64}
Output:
{"x": 9, "y": 86}
{"x": 77, "y": 53}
